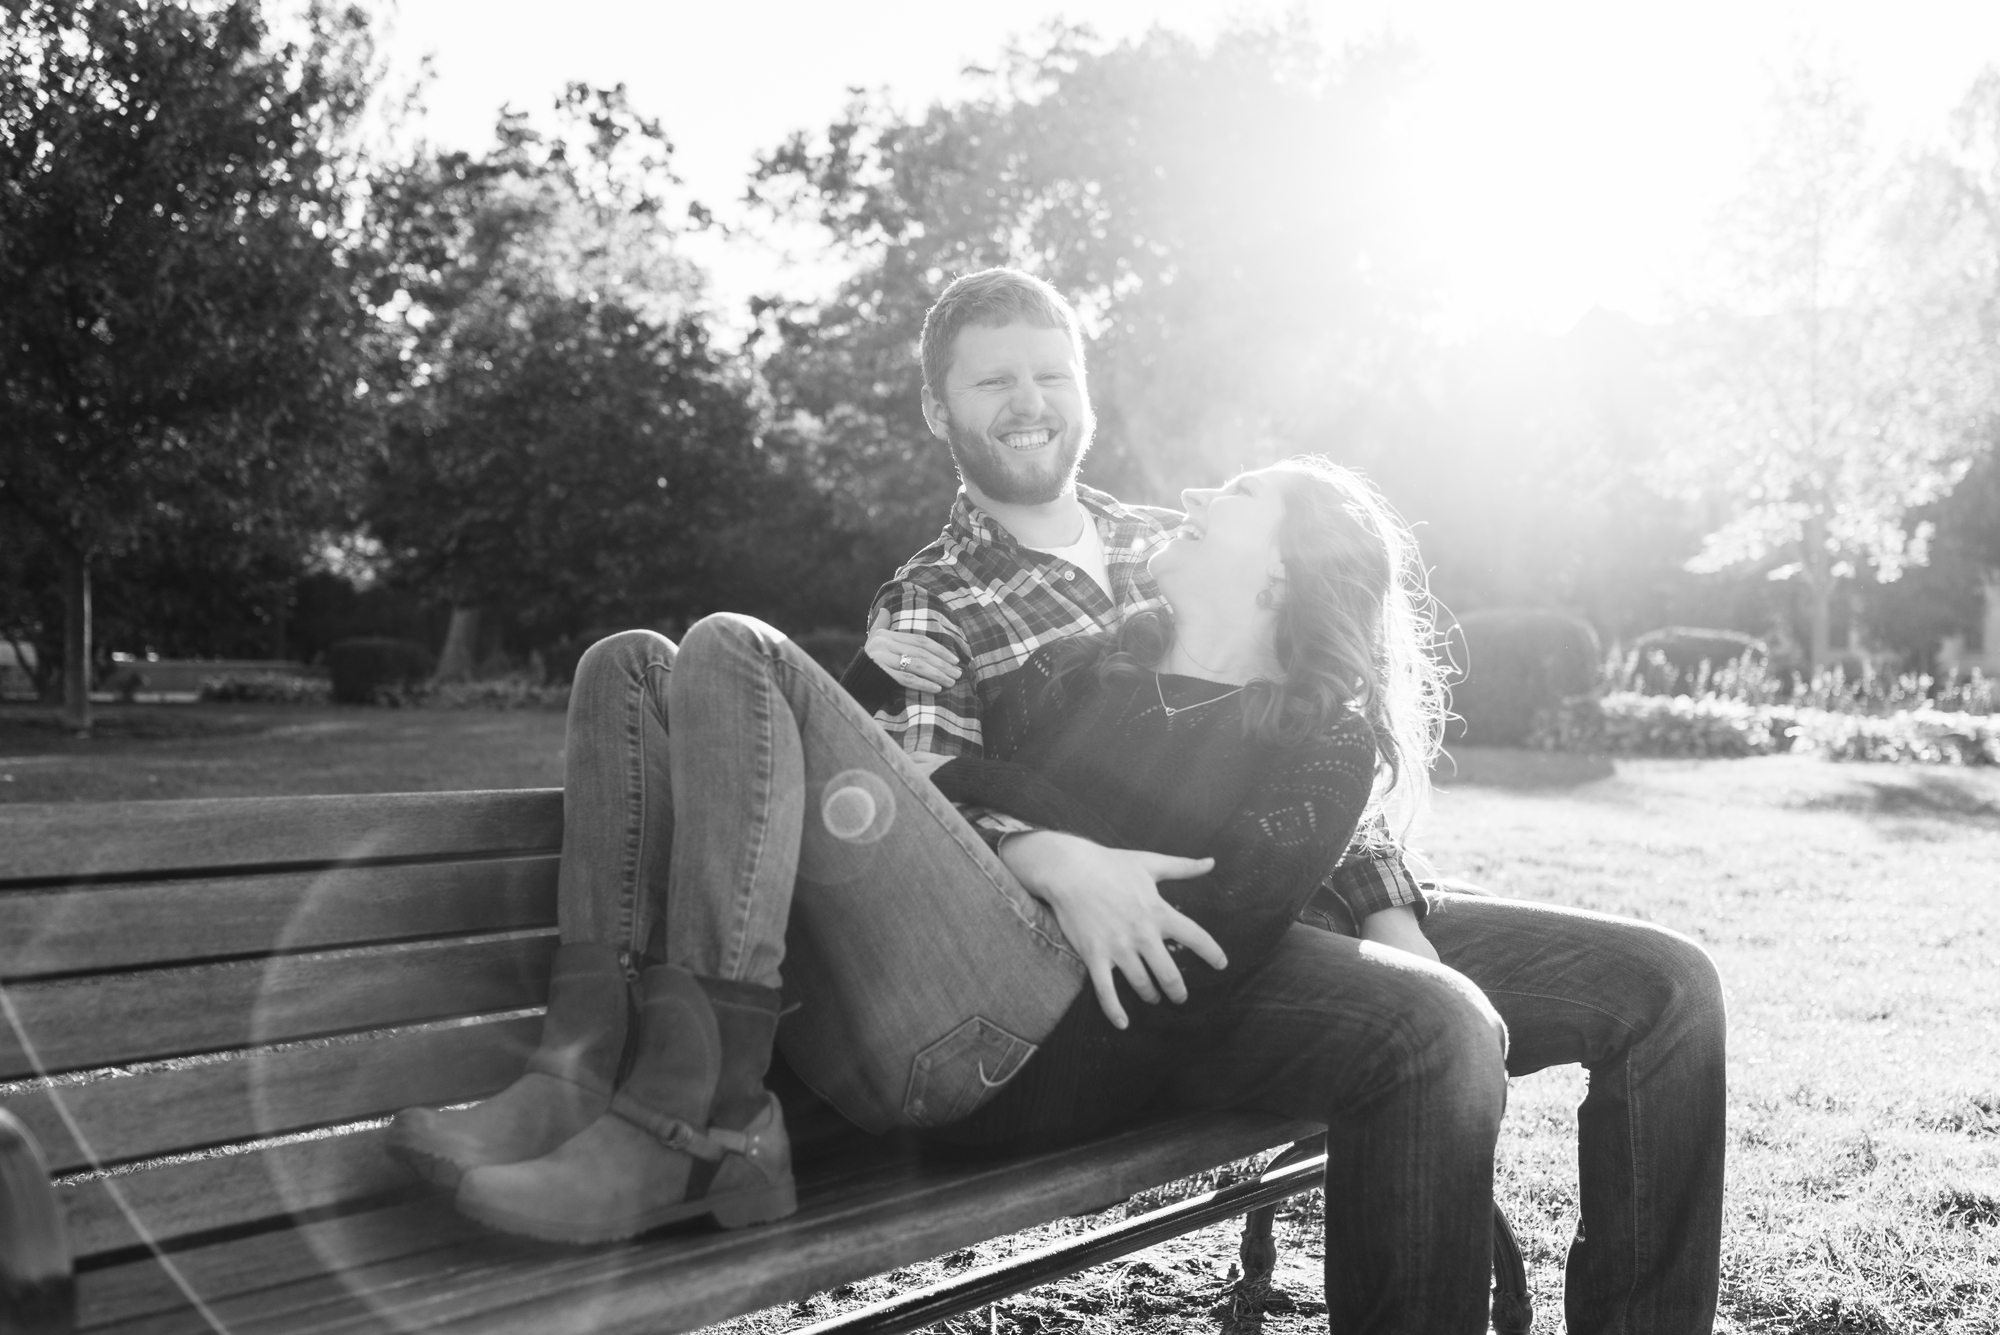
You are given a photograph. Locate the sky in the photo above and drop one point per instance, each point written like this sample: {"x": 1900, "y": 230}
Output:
{"x": 1568, "y": 155}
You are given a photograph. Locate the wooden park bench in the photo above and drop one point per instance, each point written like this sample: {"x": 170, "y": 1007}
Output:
{"x": 209, "y": 1008}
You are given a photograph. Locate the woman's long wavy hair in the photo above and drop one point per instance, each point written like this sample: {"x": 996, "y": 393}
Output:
{"x": 1354, "y": 634}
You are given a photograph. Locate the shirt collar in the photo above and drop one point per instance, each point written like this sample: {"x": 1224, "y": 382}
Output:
{"x": 975, "y": 523}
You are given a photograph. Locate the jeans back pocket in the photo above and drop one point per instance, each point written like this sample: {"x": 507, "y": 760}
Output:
{"x": 953, "y": 1076}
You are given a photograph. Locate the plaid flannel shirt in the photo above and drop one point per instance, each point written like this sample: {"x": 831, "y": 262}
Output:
{"x": 991, "y": 603}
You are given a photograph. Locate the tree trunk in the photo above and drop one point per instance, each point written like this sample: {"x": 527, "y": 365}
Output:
{"x": 1819, "y": 622}
{"x": 76, "y": 641}
{"x": 1816, "y": 568}
{"x": 280, "y": 603}
{"x": 461, "y": 645}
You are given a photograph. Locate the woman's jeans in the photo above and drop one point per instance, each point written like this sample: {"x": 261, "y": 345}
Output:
{"x": 777, "y": 836}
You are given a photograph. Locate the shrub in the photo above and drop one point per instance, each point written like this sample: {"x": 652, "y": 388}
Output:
{"x": 265, "y": 688}
{"x": 1520, "y": 663}
{"x": 833, "y": 649}
{"x": 361, "y": 669}
{"x": 1683, "y": 656}
{"x": 1629, "y": 723}
{"x": 515, "y": 691}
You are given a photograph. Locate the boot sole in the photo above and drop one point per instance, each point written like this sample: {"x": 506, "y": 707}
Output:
{"x": 432, "y": 1168}
{"x": 738, "y": 1209}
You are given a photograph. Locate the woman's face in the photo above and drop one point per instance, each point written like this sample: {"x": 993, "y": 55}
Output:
{"x": 1228, "y": 548}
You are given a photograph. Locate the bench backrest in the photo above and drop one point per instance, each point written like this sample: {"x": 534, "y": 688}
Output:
{"x": 206, "y": 1007}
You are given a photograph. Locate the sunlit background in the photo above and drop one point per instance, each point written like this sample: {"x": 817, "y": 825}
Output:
{"x": 1646, "y": 317}
{"x": 1559, "y": 156}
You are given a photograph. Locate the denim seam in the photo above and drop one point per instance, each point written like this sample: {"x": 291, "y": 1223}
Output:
{"x": 635, "y": 807}
{"x": 1640, "y": 1248}
{"x": 739, "y": 927}
{"x": 969, "y": 843}
{"x": 633, "y": 914}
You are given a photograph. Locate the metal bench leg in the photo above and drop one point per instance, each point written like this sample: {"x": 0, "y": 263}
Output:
{"x": 37, "y": 1289}
{"x": 1258, "y": 1250}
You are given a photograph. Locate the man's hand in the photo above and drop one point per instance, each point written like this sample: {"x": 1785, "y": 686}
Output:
{"x": 1107, "y": 901}
{"x": 1398, "y": 927}
{"x": 931, "y": 668}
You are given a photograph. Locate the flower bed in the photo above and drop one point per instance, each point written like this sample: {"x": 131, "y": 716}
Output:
{"x": 265, "y": 688}
{"x": 1917, "y": 736}
{"x": 1628, "y": 723}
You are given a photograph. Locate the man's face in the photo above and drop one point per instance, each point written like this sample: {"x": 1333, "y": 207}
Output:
{"x": 1015, "y": 412}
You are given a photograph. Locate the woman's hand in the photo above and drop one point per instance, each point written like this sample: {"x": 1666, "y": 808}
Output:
{"x": 1107, "y": 901}
{"x": 914, "y": 662}
{"x": 1398, "y": 927}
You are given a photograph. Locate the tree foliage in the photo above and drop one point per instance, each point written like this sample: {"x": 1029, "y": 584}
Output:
{"x": 178, "y": 317}
{"x": 1224, "y": 217}
{"x": 1229, "y": 220}
{"x": 1840, "y": 379}
{"x": 561, "y": 439}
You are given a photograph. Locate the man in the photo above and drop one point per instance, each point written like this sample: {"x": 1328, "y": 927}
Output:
{"x": 1028, "y": 556}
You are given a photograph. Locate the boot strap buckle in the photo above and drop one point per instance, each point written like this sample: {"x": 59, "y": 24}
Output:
{"x": 676, "y": 1134}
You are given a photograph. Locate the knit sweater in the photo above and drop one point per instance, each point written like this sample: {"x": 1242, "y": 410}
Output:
{"x": 1106, "y": 761}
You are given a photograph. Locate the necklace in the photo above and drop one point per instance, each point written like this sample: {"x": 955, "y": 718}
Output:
{"x": 1161, "y": 691}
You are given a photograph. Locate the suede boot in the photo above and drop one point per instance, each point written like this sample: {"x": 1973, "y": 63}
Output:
{"x": 568, "y": 1084}
{"x": 692, "y": 1131}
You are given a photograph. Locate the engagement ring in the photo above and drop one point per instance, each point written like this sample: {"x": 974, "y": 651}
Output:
{"x": 904, "y": 662}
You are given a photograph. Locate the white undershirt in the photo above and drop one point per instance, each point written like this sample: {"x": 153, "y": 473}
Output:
{"x": 1087, "y": 555}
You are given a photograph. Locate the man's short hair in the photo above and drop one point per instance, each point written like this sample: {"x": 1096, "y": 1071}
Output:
{"x": 991, "y": 297}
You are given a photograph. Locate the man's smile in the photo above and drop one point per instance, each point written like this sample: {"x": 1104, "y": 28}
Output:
{"x": 1027, "y": 440}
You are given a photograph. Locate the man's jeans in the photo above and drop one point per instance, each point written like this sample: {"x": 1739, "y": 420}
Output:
{"x": 1641, "y": 1008}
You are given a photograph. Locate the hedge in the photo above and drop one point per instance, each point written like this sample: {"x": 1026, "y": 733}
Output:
{"x": 1519, "y": 663}
{"x": 364, "y": 669}
{"x": 1673, "y": 656}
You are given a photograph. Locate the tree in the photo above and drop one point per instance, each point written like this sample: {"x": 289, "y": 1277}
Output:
{"x": 1839, "y": 381}
{"x": 1225, "y": 217}
{"x": 179, "y": 325}
{"x": 561, "y": 439}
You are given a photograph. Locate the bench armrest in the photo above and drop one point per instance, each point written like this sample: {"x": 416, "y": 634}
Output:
{"x": 37, "y": 1287}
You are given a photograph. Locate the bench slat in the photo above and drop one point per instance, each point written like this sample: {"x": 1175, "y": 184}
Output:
{"x": 40, "y": 841}
{"x": 138, "y": 1289}
{"x": 853, "y": 1222}
{"x": 196, "y": 1195}
{"x": 269, "y": 1092}
{"x": 97, "y": 927}
{"x": 78, "y": 1023}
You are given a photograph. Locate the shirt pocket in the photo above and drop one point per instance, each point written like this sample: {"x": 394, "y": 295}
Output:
{"x": 953, "y": 1076}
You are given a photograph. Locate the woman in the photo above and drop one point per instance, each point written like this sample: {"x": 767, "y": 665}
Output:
{"x": 926, "y": 983}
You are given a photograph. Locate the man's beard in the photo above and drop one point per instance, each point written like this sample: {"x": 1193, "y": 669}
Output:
{"x": 992, "y": 467}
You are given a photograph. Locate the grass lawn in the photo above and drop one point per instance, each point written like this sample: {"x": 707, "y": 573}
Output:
{"x": 146, "y": 751}
{"x": 1854, "y": 912}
